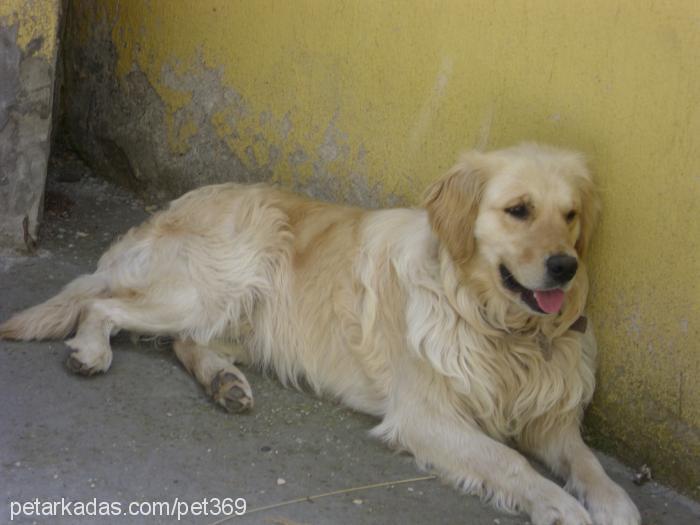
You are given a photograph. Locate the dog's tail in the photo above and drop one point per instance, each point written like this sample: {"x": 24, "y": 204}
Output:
{"x": 57, "y": 317}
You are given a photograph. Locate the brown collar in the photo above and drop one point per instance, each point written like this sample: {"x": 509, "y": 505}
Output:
{"x": 580, "y": 324}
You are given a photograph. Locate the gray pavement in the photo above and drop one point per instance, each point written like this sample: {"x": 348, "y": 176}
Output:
{"x": 146, "y": 432}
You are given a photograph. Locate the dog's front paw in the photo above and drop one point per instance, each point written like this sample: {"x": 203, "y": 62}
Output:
{"x": 610, "y": 505}
{"x": 559, "y": 509}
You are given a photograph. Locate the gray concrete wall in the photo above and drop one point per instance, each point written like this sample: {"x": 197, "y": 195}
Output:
{"x": 28, "y": 49}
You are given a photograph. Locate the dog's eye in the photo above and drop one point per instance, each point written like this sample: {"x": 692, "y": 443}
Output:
{"x": 571, "y": 216}
{"x": 519, "y": 212}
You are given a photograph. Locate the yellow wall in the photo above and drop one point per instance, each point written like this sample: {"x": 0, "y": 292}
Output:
{"x": 35, "y": 19}
{"x": 393, "y": 90}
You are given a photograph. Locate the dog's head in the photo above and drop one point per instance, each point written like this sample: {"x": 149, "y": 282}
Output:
{"x": 523, "y": 217}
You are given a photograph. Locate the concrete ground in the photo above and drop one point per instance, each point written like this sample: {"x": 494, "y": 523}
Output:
{"x": 146, "y": 432}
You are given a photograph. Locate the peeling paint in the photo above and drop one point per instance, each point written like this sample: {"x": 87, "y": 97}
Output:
{"x": 28, "y": 47}
{"x": 38, "y": 25}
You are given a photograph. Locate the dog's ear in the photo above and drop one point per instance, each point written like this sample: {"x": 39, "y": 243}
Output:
{"x": 590, "y": 210}
{"x": 452, "y": 203}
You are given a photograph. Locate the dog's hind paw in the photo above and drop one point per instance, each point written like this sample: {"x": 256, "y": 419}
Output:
{"x": 88, "y": 358}
{"x": 232, "y": 391}
{"x": 74, "y": 364}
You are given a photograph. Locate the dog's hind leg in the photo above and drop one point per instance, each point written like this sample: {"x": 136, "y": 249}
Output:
{"x": 222, "y": 380}
{"x": 104, "y": 317}
{"x": 91, "y": 344}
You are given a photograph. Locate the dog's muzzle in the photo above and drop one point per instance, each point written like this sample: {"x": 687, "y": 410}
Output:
{"x": 561, "y": 268}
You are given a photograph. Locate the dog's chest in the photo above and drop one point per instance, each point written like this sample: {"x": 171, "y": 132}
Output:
{"x": 521, "y": 381}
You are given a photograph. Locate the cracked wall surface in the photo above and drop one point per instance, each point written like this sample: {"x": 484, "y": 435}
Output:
{"x": 28, "y": 46}
{"x": 366, "y": 102}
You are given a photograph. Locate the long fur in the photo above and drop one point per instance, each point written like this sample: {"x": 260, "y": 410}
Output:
{"x": 57, "y": 317}
{"x": 398, "y": 313}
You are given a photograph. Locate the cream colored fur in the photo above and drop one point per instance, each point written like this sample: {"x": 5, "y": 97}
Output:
{"x": 398, "y": 313}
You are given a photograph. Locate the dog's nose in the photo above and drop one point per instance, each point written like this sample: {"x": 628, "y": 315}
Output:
{"x": 561, "y": 267}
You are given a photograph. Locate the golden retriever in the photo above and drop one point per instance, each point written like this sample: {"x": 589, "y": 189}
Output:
{"x": 459, "y": 323}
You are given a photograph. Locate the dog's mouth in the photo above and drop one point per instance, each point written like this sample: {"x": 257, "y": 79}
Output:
{"x": 541, "y": 301}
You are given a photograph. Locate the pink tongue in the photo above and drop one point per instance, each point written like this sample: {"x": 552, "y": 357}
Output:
{"x": 549, "y": 300}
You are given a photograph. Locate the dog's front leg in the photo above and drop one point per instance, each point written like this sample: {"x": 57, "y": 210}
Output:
{"x": 564, "y": 451}
{"x": 422, "y": 419}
